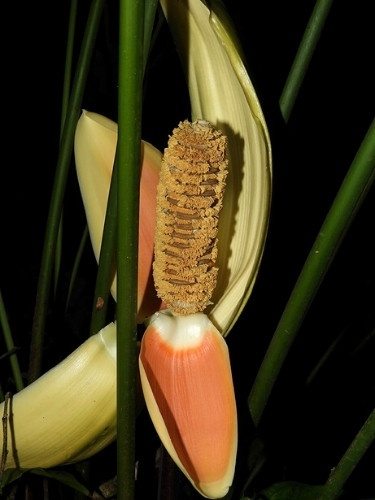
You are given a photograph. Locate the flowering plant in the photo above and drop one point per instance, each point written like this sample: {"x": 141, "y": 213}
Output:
{"x": 170, "y": 303}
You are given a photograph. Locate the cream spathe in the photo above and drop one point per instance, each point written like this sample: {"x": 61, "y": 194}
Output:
{"x": 221, "y": 92}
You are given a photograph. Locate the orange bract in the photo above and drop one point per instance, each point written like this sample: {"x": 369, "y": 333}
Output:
{"x": 187, "y": 383}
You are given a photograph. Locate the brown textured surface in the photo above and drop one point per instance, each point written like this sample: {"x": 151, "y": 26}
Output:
{"x": 190, "y": 193}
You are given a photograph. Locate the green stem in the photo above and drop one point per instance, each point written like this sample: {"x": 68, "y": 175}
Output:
{"x": 149, "y": 18}
{"x": 331, "y": 349}
{"x": 58, "y": 255}
{"x": 62, "y": 168}
{"x": 64, "y": 106}
{"x": 68, "y": 62}
{"x": 76, "y": 264}
{"x": 340, "y": 474}
{"x": 348, "y": 200}
{"x": 129, "y": 149}
{"x": 18, "y": 382}
{"x": 106, "y": 262}
{"x": 303, "y": 56}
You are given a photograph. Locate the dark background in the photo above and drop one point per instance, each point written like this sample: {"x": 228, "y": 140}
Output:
{"x": 306, "y": 427}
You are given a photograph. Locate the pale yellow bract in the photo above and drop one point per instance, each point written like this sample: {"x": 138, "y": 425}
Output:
{"x": 221, "y": 92}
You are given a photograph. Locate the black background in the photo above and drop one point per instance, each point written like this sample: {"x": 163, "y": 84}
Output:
{"x": 306, "y": 428}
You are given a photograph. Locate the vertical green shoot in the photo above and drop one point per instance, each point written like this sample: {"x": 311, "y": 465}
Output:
{"x": 7, "y": 333}
{"x": 303, "y": 57}
{"x": 341, "y": 473}
{"x": 128, "y": 151}
{"x": 64, "y": 106}
{"x": 58, "y": 190}
{"x": 348, "y": 200}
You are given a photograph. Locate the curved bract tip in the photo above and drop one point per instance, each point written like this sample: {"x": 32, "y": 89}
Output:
{"x": 69, "y": 413}
{"x": 95, "y": 147}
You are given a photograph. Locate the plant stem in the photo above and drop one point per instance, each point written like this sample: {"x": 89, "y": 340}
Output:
{"x": 149, "y": 18}
{"x": 128, "y": 149}
{"x": 64, "y": 107}
{"x": 68, "y": 62}
{"x": 340, "y": 474}
{"x": 348, "y": 200}
{"x": 76, "y": 264}
{"x": 55, "y": 209}
{"x": 106, "y": 262}
{"x": 18, "y": 382}
{"x": 303, "y": 57}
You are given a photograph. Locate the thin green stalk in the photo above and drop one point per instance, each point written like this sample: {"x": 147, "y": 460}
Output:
{"x": 58, "y": 255}
{"x": 7, "y": 333}
{"x": 149, "y": 18}
{"x": 323, "y": 360}
{"x": 106, "y": 259}
{"x": 364, "y": 343}
{"x": 64, "y": 107}
{"x": 76, "y": 264}
{"x": 348, "y": 199}
{"x": 128, "y": 149}
{"x": 68, "y": 62}
{"x": 58, "y": 190}
{"x": 341, "y": 473}
{"x": 303, "y": 57}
